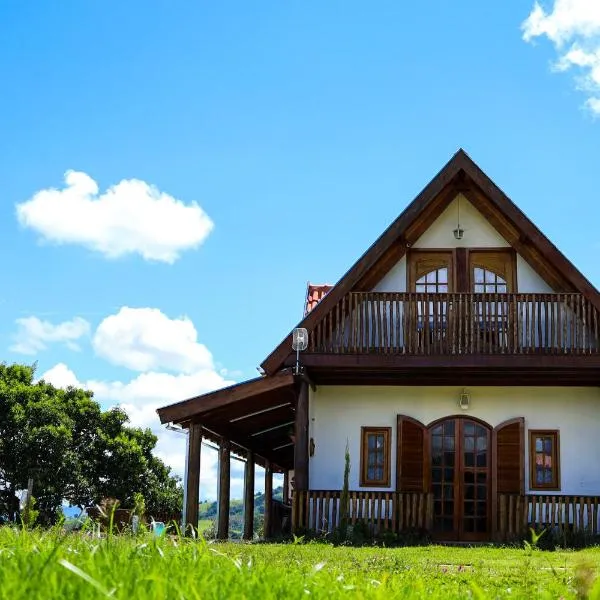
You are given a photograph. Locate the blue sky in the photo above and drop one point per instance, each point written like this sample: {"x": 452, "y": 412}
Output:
{"x": 286, "y": 136}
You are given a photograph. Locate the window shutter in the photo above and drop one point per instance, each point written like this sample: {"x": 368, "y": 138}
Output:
{"x": 510, "y": 457}
{"x": 411, "y": 459}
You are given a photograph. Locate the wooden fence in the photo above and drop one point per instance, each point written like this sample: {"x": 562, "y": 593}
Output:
{"x": 518, "y": 513}
{"x": 410, "y": 323}
{"x": 319, "y": 511}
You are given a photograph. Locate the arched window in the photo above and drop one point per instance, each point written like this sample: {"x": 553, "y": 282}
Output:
{"x": 434, "y": 282}
{"x": 431, "y": 272}
{"x": 492, "y": 272}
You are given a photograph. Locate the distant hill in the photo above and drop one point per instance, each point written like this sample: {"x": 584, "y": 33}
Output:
{"x": 208, "y": 512}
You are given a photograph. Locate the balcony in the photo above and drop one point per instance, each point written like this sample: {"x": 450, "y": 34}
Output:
{"x": 458, "y": 324}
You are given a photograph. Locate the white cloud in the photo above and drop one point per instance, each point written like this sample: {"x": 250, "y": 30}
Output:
{"x": 145, "y": 339}
{"x": 61, "y": 376}
{"x": 573, "y": 26}
{"x": 129, "y": 217}
{"x": 33, "y": 334}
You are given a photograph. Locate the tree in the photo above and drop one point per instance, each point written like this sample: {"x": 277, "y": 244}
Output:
{"x": 74, "y": 450}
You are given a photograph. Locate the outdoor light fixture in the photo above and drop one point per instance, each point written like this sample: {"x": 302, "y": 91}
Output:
{"x": 464, "y": 400}
{"x": 459, "y": 231}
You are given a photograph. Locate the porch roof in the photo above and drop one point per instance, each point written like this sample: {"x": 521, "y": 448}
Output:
{"x": 254, "y": 415}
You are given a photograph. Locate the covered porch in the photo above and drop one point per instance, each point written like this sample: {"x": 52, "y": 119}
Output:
{"x": 265, "y": 422}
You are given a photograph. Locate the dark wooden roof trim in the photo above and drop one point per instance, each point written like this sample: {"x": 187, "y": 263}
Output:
{"x": 188, "y": 409}
{"x": 460, "y": 171}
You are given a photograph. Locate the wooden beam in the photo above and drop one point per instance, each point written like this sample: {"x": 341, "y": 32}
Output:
{"x": 522, "y": 362}
{"x": 268, "y": 525}
{"x": 301, "y": 439}
{"x": 305, "y": 377}
{"x": 249, "y": 497}
{"x": 286, "y": 487}
{"x": 193, "y": 407}
{"x": 194, "y": 446}
{"x": 224, "y": 487}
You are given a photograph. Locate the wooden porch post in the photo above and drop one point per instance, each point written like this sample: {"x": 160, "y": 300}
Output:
{"x": 301, "y": 433}
{"x": 249, "y": 497}
{"x": 268, "y": 498}
{"x": 300, "y": 453}
{"x": 193, "y": 476}
{"x": 286, "y": 487}
{"x": 224, "y": 485}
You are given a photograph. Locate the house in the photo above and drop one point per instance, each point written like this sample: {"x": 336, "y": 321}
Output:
{"x": 457, "y": 359}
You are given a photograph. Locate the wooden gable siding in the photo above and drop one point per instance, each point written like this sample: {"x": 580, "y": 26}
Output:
{"x": 460, "y": 175}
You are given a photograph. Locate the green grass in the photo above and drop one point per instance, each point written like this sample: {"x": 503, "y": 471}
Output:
{"x": 49, "y": 564}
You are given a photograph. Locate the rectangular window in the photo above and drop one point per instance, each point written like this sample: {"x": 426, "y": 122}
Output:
{"x": 375, "y": 456}
{"x": 544, "y": 459}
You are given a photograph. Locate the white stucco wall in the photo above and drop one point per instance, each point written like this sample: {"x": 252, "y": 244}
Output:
{"x": 528, "y": 281}
{"x": 395, "y": 279}
{"x": 338, "y": 412}
{"x": 478, "y": 232}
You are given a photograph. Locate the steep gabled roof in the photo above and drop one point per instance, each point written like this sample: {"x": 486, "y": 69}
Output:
{"x": 459, "y": 175}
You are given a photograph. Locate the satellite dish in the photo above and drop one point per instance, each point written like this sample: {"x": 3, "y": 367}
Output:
{"x": 299, "y": 339}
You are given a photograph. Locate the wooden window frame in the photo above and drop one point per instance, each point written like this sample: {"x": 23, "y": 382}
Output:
{"x": 510, "y": 256}
{"x": 554, "y": 485}
{"x": 364, "y": 456}
{"x": 431, "y": 253}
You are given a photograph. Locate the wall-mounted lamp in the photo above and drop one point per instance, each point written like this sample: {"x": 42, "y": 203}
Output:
{"x": 459, "y": 231}
{"x": 311, "y": 447}
{"x": 464, "y": 400}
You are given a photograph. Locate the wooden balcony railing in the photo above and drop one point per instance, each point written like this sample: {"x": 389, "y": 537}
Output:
{"x": 425, "y": 324}
{"x": 319, "y": 511}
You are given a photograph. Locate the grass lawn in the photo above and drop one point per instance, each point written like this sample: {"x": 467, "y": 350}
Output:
{"x": 48, "y": 564}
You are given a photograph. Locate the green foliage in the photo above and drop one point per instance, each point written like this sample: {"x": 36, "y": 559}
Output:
{"x": 139, "y": 505}
{"x": 30, "y": 514}
{"x": 42, "y": 564}
{"x": 73, "y": 450}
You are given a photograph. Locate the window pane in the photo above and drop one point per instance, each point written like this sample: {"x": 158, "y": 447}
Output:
{"x": 539, "y": 444}
{"x": 431, "y": 277}
{"x": 548, "y": 445}
{"x": 443, "y": 275}
{"x": 420, "y": 289}
{"x": 478, "y": 289}
{"x": 442, "y": 289}
{"x": 478, "y": 273}
{"x": 490, "y": 277}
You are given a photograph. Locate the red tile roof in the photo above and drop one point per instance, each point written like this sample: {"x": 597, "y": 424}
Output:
{"x": 314, "y": 294}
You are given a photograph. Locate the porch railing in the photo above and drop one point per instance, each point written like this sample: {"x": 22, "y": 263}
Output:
{"x": 426, "y": 324}
{"x": 515, "y": 514}
{"x": 319, "y": 511}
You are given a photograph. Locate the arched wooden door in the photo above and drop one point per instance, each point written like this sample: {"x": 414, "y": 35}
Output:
{"x": 460, "y": 478}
